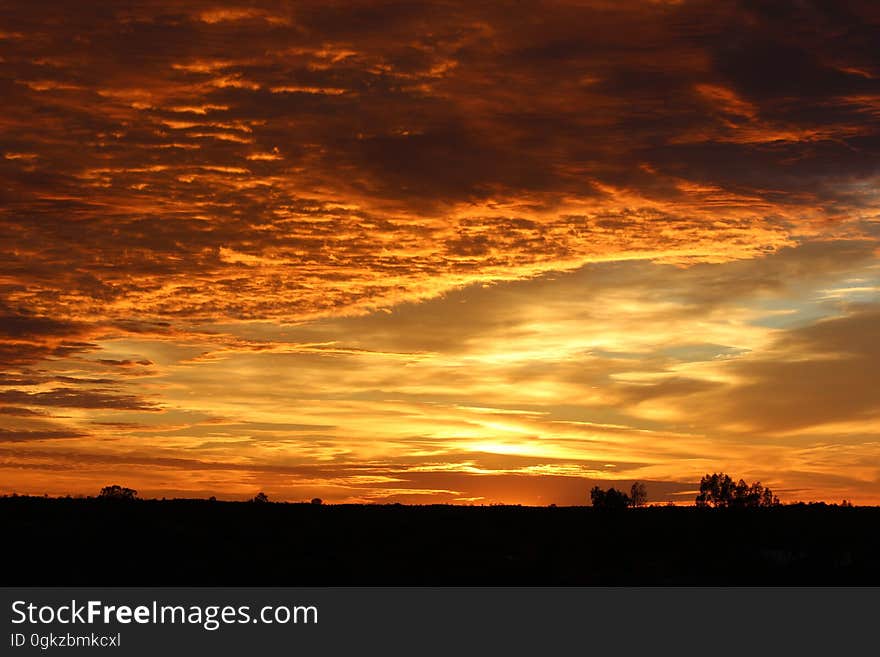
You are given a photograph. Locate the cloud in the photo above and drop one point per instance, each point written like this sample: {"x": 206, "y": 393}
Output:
{"x": 820, "y": 374}
{"x": 12, "y": 436}
{"x": 72, "y": 398}
{"x": 456, "y": 148}
{"x": 25, "y": 326}
{"x": 15, "y": 410}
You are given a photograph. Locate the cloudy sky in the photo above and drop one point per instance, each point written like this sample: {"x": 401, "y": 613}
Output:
{"x": 464, "y": 252}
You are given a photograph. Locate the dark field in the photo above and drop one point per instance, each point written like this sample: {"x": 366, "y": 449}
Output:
{"x": 189, "y": 542}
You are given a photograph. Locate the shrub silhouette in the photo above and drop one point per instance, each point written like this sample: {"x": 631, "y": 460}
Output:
{"x": 260, "y": 498}
{"x": 718, "y": 491}
{"x": 117, "y": 492}
{"x": 317, "y": 501}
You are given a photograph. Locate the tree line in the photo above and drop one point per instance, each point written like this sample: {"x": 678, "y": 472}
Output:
{"x": 717, "y": 490}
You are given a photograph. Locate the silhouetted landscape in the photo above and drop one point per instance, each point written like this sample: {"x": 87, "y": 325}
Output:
{"x": 418, "y": 258}
{"x": 126, "y": 541}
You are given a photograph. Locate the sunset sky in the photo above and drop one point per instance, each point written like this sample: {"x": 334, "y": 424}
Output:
{"x": 467, "y": 252}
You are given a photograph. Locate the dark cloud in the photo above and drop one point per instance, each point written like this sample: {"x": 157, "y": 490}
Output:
{"x": 115, "y": 362}
{"x": 74, "y": 398}
{"x": 86, "y": 381}
{"x": 13, "y": 380}
{"x": 216, "y": 150}
{"x": 22, "y": 412}
{"x": 24, "y": 436}
{"x": 26, "y": 326}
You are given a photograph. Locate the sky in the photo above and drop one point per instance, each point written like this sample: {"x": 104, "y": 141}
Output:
{"x": 451, "y": 252}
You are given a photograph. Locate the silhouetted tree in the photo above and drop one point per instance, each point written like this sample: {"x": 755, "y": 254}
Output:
{"x": 317, "y": 501}
{"x": 597, "y": 496}
{"x": 768, "y": 498}
{"x": 715, "y": 490}
{"x": 609, "y": 500}
{"x": 638, "y": 494}
{"x": 117, "y": 492}
{"x": 260, "y": 498}
{"x": 718, "y": 491}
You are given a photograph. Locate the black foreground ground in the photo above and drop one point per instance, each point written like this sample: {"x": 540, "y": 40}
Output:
{"x": 193, "y": 542}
